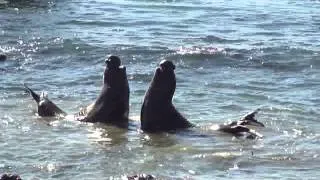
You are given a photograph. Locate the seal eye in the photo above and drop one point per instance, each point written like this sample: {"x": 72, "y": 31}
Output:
{"x": 113, "y": 62}
{"x": 165, "y": 64}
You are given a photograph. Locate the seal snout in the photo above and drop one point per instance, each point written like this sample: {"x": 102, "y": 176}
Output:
{"x": 113, "y": 62}
{"x": 166, "y": 65}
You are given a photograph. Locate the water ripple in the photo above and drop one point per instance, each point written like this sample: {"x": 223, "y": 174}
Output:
{"x": 231, "y": 57}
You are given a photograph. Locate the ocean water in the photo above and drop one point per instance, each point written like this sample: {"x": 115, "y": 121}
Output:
{"x": 231, "y": 58}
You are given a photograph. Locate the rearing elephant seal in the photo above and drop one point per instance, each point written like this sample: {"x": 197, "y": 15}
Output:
{"x": 157, "y": 112}
{"x": 112, "y": 105}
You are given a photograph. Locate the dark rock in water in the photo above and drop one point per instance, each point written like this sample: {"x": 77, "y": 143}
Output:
{"x": 141, "y": 177}
{"x": 10, "y": 177}
{"x": 3, "y": 57}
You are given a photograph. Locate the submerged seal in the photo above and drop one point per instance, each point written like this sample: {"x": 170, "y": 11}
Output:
{"x": 112, "y": 105}
{"x": 157, "y": 112}
{"x": 45, "y": 106}
{"x": 239, "y": 128}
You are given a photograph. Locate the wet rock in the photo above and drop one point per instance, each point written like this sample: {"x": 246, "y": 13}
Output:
{"x": 10, "y": 177}
{"x": 3, "y": 57}
{"x": 141, "y": 177}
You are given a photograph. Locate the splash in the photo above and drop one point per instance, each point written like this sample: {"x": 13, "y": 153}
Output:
{"x": 200, "y": 50}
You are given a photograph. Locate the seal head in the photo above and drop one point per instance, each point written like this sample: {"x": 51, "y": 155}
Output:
{"x": 113, "y": 62}
{"x": 167, "y": 65}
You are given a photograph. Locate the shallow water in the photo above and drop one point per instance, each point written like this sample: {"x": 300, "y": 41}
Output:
{"x": 232, "y": 57}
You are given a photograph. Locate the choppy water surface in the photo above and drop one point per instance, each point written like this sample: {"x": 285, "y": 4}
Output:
{"x": 232, "y": 57}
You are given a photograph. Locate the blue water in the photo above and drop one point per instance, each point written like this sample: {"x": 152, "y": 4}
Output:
{"x": 232, "y": 57}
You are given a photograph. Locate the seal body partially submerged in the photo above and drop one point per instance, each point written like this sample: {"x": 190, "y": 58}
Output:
{"x": 112, "y": 104}
{"x": 241, "y": 127}
{"x": 46, "y": 107}
{"x": 157, "y": 112}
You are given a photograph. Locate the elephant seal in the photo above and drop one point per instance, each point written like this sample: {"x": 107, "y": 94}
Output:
{"x": 239, "y": 128}
{"x": 157, "y": 112}
{"x": 46, "y": 107}
{"x": 112, "y": 104}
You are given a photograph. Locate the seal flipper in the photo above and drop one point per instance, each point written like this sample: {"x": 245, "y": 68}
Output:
{"x": 35, "y": 96}
{"x": 251, "y": 120}
{"x": 251, "y": 116}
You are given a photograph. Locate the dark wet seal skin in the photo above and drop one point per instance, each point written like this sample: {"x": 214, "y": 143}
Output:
{"x": 239, "y": 128}
{"x": 10, "y": 177}
{"x": 249, "y": 119}
{"x": 3, "y": 57}
{"x": 141, "y": 177}
{"x": 112, "y": 104}
{"x": 46, "y": 107}
{"x": 157, "y": 112}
